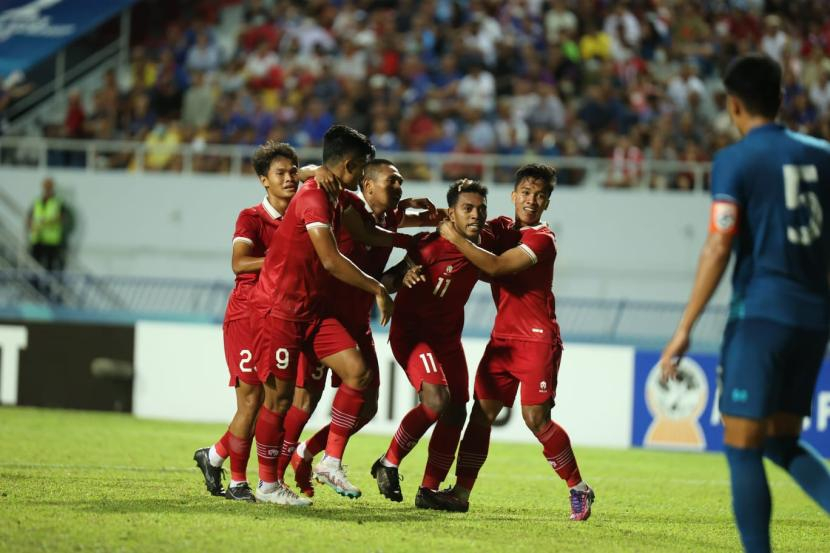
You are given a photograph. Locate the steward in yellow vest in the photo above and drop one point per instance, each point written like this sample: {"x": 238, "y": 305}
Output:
{"x": 46, "y": 228}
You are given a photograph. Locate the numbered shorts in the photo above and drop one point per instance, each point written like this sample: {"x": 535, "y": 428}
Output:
{"x": 507, "y": 363}
{"x": 769, "y": 367}
{"x": 279, "y": 342}
{"x": 444, "y": 364}
{"x": 311, "y": 373}
{"x": 239, "y": 351}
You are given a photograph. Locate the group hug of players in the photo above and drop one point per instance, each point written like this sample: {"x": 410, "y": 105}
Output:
{"x": 309, "y": 263}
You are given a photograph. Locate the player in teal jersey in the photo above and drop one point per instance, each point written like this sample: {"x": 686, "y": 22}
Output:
{"x": 770, "y": 191}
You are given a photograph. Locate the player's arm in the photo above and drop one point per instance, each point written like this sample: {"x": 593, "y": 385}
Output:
{"x": 372, "y": 235}
{"x": 241, "y": 259}
{"x": 512, "y": 261}
{"x": 343, "y": 269}
{"x": 405, "y": 273}
{"x": 714, "y": 257}
{"x": 430, "y": 216}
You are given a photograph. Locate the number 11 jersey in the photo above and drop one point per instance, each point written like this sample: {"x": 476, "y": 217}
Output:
{"x": 436, "y": 307}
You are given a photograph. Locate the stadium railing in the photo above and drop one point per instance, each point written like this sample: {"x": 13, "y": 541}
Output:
{"x": 124, "y": 300}
{"x": 97, "y": 155}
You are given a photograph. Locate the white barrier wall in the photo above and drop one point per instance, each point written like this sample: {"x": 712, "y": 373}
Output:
{"x": 612, "y": 244}
{"x": 180, "y": 374}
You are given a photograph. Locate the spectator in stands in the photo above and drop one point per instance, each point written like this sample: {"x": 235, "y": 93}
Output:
{"x": 199, "y": 99}
{"x": 162, "y": 146}
{"x": 478, "y": 88}
{"x": 204, "y": 56}
{"x": 45, "y": 224}
{"x": 263, "y": 68}
{"x": 559, "y": 19}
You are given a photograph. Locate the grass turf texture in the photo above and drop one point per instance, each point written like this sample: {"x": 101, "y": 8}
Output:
{"x": 79, "y": 481}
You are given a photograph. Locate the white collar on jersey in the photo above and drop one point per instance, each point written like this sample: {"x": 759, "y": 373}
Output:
{"x": 537, "y": 227}
{"x": 272, "y": 211}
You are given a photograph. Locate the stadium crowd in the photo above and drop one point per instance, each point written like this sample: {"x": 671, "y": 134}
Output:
{"x": 629, "y": 81}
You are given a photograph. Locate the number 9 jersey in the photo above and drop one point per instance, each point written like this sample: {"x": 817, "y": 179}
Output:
{"x": 772, "y": 191}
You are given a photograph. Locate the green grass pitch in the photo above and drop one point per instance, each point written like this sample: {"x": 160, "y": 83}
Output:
{"x": 79, "y": 481}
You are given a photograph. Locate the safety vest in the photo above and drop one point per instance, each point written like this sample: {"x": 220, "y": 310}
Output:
{"x": 47, "y": 226}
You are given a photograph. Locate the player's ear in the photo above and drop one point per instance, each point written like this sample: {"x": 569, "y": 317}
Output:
{"x": 263, "y": 180}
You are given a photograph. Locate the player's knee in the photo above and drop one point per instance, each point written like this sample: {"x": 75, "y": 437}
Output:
{"x": 781, "y": 450}
{"x": 483, "y": 417}
{"x": 249, "y": 405}
{"x": 536, "y": 418}
{"x": 435, "y": 398}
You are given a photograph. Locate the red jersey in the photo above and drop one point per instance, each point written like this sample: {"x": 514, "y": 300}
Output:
{"x": 524, "y": 300}
{"x": 255, "y": 226}
{"x": 293, "y": 280}
{"x": 436, "y": 307}
{"x": 351, "y": 305}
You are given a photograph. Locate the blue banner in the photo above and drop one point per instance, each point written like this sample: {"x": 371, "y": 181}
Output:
{"x": 684, "y": 414}
{"x": 31, "y": 30}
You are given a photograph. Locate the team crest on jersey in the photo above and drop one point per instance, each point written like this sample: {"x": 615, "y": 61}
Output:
{"x": 448, "y": 269}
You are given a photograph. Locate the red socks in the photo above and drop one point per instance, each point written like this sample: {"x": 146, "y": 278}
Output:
{"x": 442, "y": 448}
{"x": 412, "y": 427}
{"x": 345, "y": 410}
{"x": 556, "y": 445}
{"x": 472, "y": 454}
{"x": 240, "y": 450}
{"x": 317, "y": 442}
{"x": 269, "y": 434}
{"x": 295, "y": 421}
{"x": 222, "y": 446}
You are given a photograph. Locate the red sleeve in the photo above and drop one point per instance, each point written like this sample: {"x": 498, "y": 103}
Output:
{"x": 247, "y": 227}
{"x": 538, "y": 245}
{"x": 314, "y": 208}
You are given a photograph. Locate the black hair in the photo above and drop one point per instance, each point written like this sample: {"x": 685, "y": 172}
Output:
{"x": 373, "y": 167}
{"x": 755, "y": 79}
{"x": 265, "y": 155}
{"x": 341, "y": 142}
{"x": 537, "y": 171}
{"x": 464, "y": 185}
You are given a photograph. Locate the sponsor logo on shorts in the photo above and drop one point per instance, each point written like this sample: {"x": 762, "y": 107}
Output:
{"x": 538, "y": 330}
{"x": 543, "y": 386}
{"x": 740, "y": 395}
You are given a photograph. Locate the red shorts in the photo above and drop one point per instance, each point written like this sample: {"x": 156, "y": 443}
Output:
{"x": 506, "y": 363}
{"x": 441, "y": 364}
{"x": 311, "y": 374}
{"x": 239, "y": 348}
{"x": 278, "y": 344}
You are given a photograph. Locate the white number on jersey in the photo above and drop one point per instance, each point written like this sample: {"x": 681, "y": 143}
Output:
{"x": 441, "y": 287}
{"x": 282, "y": 358}
{"x": 245, "y": 358}
{"x": 429, "y": 366}
{"x": 794, "y": 198}
{"x": 319, "y": 371}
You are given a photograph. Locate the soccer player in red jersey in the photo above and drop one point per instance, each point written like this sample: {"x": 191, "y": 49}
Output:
{"x": 525, "y": 346}
{"x": 426, "y": 340}
{"x": 380, "y": 207}
{"x": 276, "y": 166}
{"x": 293, "y": 317}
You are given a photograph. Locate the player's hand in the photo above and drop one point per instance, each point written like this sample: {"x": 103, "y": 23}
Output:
{"x": 413, "y": 276}
{"x": 327, "y": 180}
{"x": 418, "y": 203}
{"x": 674, "y": 351}
{"x": 448, "y": 231}
{"x": 385, "y": 305}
